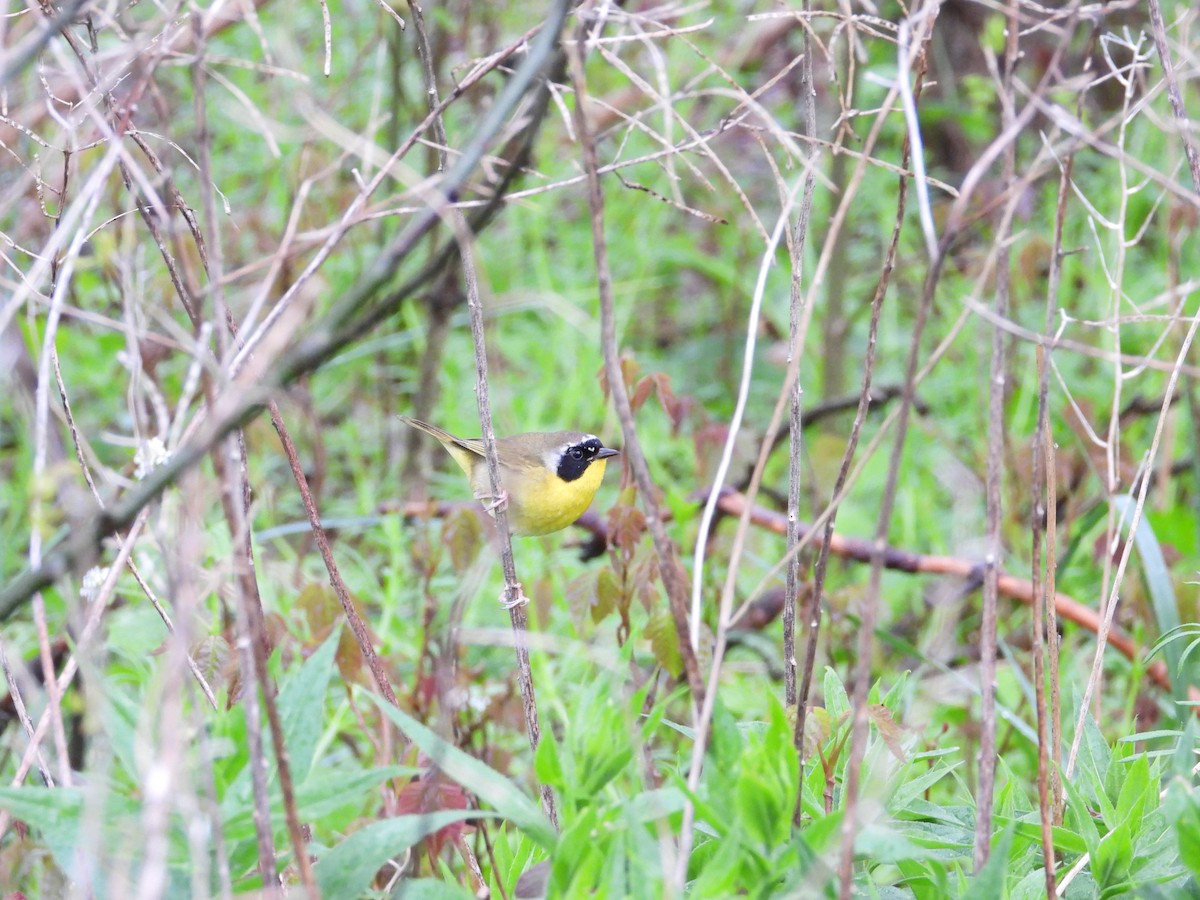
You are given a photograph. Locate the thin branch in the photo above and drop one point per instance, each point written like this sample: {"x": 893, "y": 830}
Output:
{"x": 896, "y": 559}
{"x": 708, "y": 707}
{"x": 514, "y": 600}
{"x": 674, "y": 578}
{"x": 1159, "y": 30}
{"x": 361, "y": 634}
{"x": 986, "y": 787}
{"x": 796, "y": 423}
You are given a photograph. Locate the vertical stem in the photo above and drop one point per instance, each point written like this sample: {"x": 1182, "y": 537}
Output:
{"x": 674, "y": 578}
{"x": 513, "y": 597}
{"x": 229, "y": 461}
{"x": 870, "y": 607}
{"x": 796, "y": 434}
{"x": 995, "y": 466}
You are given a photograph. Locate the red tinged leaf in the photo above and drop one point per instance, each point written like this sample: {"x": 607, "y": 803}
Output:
{"x": 626, "y": 525}
{"x": 430, "y": 794}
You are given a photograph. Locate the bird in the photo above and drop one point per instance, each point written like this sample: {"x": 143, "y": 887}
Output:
{"x": 548, "y": 478}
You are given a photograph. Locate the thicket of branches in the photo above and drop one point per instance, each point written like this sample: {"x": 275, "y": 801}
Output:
{"x": 872, "y": 291}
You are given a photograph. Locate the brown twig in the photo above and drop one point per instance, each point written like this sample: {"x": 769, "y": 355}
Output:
{"x": 361, "y": 634}
{"x": 863, "y": 403}
{"x": 986, "y": 787}
{"x": 254, "y": 644}
{"x": 1159, "y": 30}
{"x": 896, "y": 559}
{"x": 246, "y": 594}
{"x": 796, "y": 421}
{"x": 514, "y": 600}
{"x": 429, "y": 78}
{"x": 669, "y": 565}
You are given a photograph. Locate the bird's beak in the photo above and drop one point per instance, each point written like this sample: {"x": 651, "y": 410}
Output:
{"x": 606, "y": 452}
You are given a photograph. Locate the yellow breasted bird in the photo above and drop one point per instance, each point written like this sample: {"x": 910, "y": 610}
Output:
{"x": 547, "y": 479}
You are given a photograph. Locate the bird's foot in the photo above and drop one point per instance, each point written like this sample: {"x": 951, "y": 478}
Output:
{"x": 519, "y": 600}
{"x": 491, "y": 502}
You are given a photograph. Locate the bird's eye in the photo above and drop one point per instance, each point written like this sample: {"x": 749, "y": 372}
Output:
{"x": 577, "y": 453}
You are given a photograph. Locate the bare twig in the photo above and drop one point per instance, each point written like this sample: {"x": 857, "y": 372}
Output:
{"x": 673, "y": 576}
{"x": 995, "y": 440}
{"x": 1159, "y": 30}
{"x": 795, "y": 431}
{"x": 895, "y": 559}
{"x": 707, "y": 708}
{"x": 361, "y": 633}
{"x": 429, "y": 77}
{"x": 514, "y": 600}
{"x": 235, "y": 496}
{"x": 866, "y": 397}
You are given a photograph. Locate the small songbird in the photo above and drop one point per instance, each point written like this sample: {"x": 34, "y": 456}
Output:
{"x": 547, "y": 479}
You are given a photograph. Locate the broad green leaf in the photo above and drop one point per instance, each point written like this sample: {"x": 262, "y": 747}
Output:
{"x": 1095, "y": 759}
{"x": 54, "y": 813}
{"x": 836, "y": 700}
{"x": 760, "y": 808}
{"x": 649, "y": 806}
{"x": 1182, "y": 809}
{"x": 319, "y": 797}
{"x": 664, "y": 642}
{"x": 547, "y": 763}
{"x": 302, "y": 707}
{"x": 1110, "y": 862}
{"x": 1136, "y": 793}
{"x": 1078, "y": 813}
{"x": 347, "y": 869}
{"x": 486, "y": 783}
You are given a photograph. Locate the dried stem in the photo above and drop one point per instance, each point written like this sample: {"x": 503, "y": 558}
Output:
{"x": 361, "y": 634}
{"x": 673, "y": 575}
{"x": 1159, "y": 31}
{"x": 514, "y": 600}
{"x": 796, "y": 429}
{"x": 995, "y": 462}
{"x": 865, "y": 398}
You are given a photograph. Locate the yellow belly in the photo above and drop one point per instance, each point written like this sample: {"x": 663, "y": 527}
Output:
{"x": 540, "y": 502}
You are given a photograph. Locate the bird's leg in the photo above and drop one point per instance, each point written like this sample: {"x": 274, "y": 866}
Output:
{"x": 490, "y": 501}
{"x": 519, "y": 600}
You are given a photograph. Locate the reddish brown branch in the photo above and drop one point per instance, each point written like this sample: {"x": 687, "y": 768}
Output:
{"x": 897, "y": 559}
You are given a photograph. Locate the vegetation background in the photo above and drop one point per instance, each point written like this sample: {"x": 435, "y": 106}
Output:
{"x": 936, "y": 644}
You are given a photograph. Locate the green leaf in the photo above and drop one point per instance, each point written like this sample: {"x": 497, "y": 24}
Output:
{"x": 760, "y": 808}
{"x": 547, "y": 763}
{"x": 1135, "y": 794}
{"x": 988, "y": 883}
{"x": 302, "y": 707}
{"x": 1095, "y": 758}
{"x": 486, "y": 783}
{"x": 347, "y": 869}
{"x": 53, "y": 812}
{"x": 837, "y": 703}
{"x": 664, "y": 642}
{"x": 1181, "y": 806}
{"x": 321, "y": 797}
{"x": 430, "y": 888}
{"x": 1111, "y": 861}
{"x": 649, "y": 806}
{"x": 1079, "y": 814}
